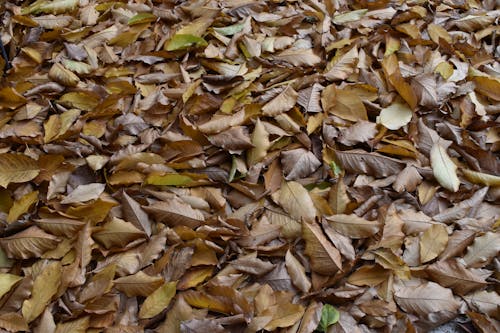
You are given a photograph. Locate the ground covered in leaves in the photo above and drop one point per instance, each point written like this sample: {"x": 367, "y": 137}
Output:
{"x": 249, "y": 166}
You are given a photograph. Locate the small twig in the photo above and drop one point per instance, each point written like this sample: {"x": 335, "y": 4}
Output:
{"x": 4, "y": 55}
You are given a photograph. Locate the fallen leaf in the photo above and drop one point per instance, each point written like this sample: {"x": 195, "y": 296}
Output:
{"x": 17, "y": 168}
{"x": 325, "y": 258}
{"x": 296, "y": 201}
{"x": 158, "y": 300}
{"x": 395, "y": 116}
{"x": 432, "y": 242}
{"x": 443, "y": 168}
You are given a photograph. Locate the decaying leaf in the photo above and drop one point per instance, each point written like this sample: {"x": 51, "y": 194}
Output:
{"x": 247, "y": 166}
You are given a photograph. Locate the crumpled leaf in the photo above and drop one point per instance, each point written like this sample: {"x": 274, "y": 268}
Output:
{"x": 452, "y": 274}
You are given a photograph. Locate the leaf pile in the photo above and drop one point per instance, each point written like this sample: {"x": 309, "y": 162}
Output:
{"x": 249, "y": 166}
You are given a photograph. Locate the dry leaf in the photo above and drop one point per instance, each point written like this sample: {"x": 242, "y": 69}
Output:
{"x": 432, "y": 242}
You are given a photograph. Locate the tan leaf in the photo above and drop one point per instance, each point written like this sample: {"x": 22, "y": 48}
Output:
{"x": 432, "y": 242}
{"x": 287, "y": 315}
{"x": 13, "y": 322}
{"x": 29, "y": 243}
{"x": 22, "y": 206}
{"x": 342, "y": 66}
{"x": 483, "y": 250}
{"x": 296, "y": 201}
{"x": 425, "y": 299}
{"x": 299, "y": 57}
{"x": 443, "y": 168}
{"x": 299, "y": 163}
{"x": 7, "y": 281}
{"x": 281, "y": 103}
{"x": 260, "y": 142}
{"x": 353, "y": 226}
{"x": 133, "y": 212}
{"x": 343, "y": 103}
{"x": 60, "y": 74}
{"x": 452, "y": 274}
{"x": 175, "y": 212}
{"x": 74, "y": 326}
{"x": 158, "y": 300}
{"x": 484, "y": 301}
{"x": 311, "y": 318}
{"x": 358, "y": 161}
{"x": 84, "y": 193}
{"x": 325, "y": 258}
{"x": 395, "y": 116}
{"x": 139, "y": 284}
{"x": 117, "y": 233}
{"x": 60, "y": 226}
{"x": 297, "y": 272}
{"x": 361, "y": 131}
{"x": 393, "y": 74}
{"x": 368, "y": 275}
{"x": 17, "y": 168}
{"x": 45, "y": 287}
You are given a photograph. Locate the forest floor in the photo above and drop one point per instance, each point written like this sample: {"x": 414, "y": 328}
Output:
{"x": 249, "y": 166}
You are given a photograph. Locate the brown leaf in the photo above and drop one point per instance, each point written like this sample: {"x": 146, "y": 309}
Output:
{"x": 325, "y": 258}
{"x": 483, "y": 250}
{"x": 425, "y": 298}
{"x": 343, "y": 103}
{"x": 296, "y": 201}
{"x": 432, "y": 242}
{"x": 297, "y": 272}
{"x": 352, "y": 225}
{"x": 298, "y": 163}
{"x": 175, "y": 212}
{"x": 360, "y": 162}
{"x": 452, "y": 274}
{"x": 281, "y": 103}
{"x": 29, "y": 243}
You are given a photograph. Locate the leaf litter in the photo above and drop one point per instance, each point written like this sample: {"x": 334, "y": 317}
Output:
{"x": 249, "y": 166}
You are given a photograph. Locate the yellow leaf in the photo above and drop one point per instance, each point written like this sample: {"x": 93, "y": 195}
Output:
{"x": 343, "y": 103}
{"x": 7, "y": 281}
{"x": 158, "y": 300}
{"x": 117, "y": 233}
{"x": 21, "y": 206}
{"x": 139, "y": 284}
{"x": 436, "y": 32}
{"x": 63, "y": 76}
{"x": 10, "y": 98}
{"x": 142, "y": 18}
{"x": 17, "y": 168}
{"x": 481, "y": 178}
{"x": 433, "y": 242}
{"x": 368, "y": 275}
{"x": 80, "y": 99}
{"x": 392, "y": 72}
{"x": 75, "y": 326}
{"x": 488, "y": 86}
{"x": 45, "y": 287}
{"x": 285, "y": 315}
